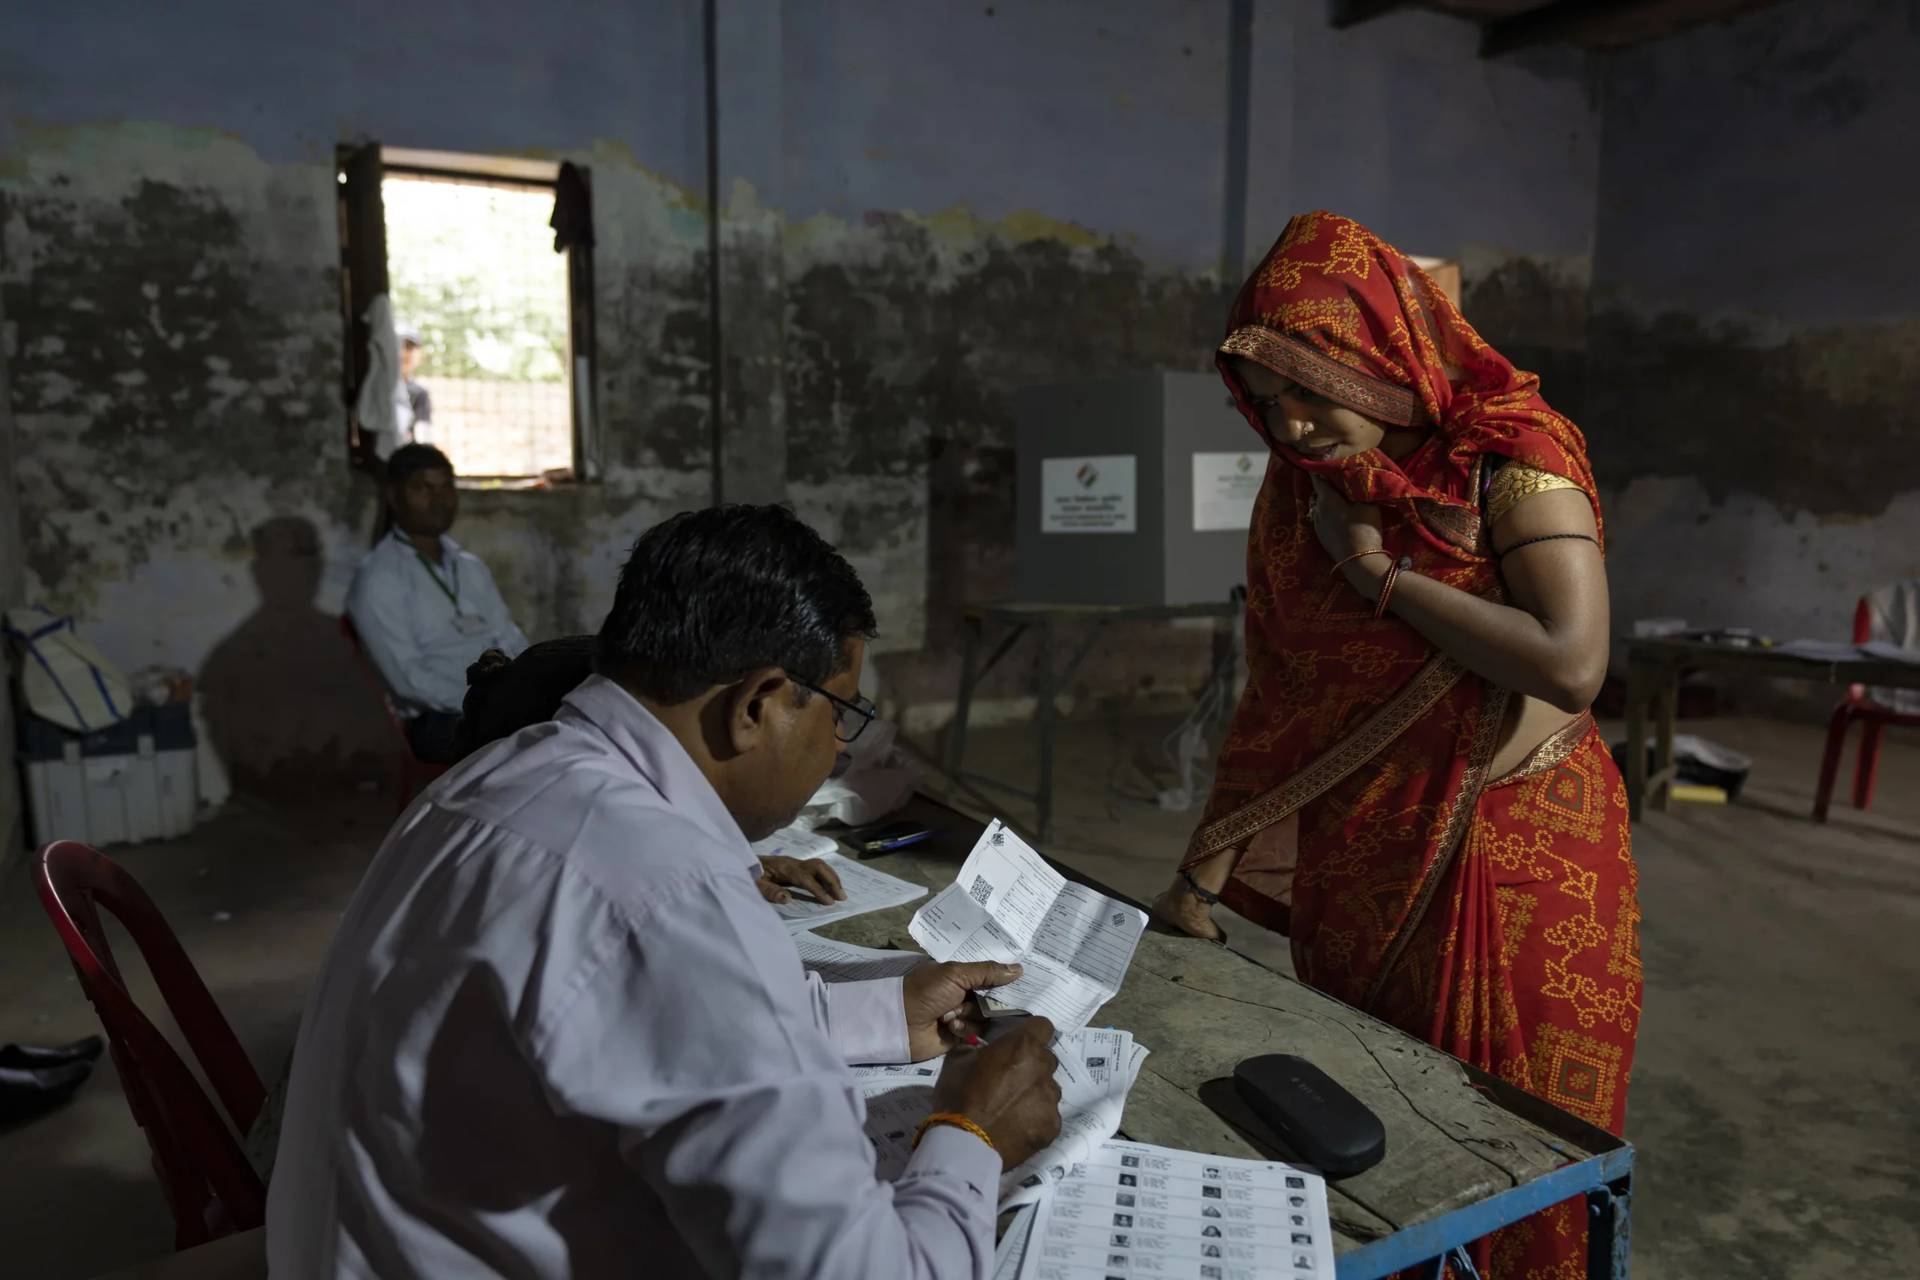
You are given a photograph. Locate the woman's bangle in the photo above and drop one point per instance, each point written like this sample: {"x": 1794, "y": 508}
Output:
{"x": 1371, "y": 551}
{"x": 955, "y": 1119}
{"x": 1386, "y": 584}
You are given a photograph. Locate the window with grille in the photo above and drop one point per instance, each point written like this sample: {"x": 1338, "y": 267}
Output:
{"x": 467, "y": 283}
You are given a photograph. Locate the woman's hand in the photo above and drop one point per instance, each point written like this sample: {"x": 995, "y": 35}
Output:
{"x": 1344, "y": 528}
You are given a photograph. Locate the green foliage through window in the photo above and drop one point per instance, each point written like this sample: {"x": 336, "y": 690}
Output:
{"x": 472, "y": 268}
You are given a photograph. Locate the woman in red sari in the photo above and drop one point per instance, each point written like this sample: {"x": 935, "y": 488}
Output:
{"x": 1413, "y": 789}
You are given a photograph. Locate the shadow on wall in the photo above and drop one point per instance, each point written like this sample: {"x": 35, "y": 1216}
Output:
{"x": 285, "y": 703}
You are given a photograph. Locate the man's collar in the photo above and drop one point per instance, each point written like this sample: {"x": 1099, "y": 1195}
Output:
{"x": 448, "y": 547}
{"x": 637, "y": 734}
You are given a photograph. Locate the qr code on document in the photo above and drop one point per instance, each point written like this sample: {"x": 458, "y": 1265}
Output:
{"x": 981, "y": 890}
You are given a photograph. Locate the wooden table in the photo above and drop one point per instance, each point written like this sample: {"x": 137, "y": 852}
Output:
{"x": 1654, "y": 668}
{"x": 1465, "y": 1153}
{"x": 1016, "y": 619}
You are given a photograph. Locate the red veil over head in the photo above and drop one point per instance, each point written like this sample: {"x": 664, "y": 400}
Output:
{"x": 1343, "y": 313}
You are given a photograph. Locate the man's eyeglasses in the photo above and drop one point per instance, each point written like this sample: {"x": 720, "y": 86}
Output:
{"x": 860, "y": 709}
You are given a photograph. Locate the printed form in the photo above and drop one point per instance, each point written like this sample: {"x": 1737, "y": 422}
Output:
{"x": 845, "y": 962}
{"x": 1138, "y": 1210}
{"x": 1096, "y": 1070}
{"x": 1008, "y": 905}
{"x": 867, "y": 890}
{"x": 1011, "y": 1251}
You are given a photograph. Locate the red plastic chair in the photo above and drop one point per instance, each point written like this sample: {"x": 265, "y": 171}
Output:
{"x": 211, "y": 1188}
{"x": 415, "y": 773}
{"x": 1874, "y": 718}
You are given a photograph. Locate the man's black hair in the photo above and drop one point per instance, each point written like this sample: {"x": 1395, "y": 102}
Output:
{"x": 709, "y": 596}
{"x": 410, "y": 458}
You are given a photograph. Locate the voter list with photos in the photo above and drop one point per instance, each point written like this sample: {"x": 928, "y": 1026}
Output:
{"x": 1095, "y": 1069}
{"x": 1134, "y": 1210}
{"x": 1073, "y": 943}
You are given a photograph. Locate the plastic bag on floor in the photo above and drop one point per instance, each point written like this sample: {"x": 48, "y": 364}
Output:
{"x": 1699, "y": 762}
{"x": 63, "y": 679}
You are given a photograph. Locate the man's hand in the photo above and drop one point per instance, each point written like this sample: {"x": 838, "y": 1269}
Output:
{"x": 1007, "y": 1089}
{"x": 936, "y": 1000}
{"x": 810, "y": 875}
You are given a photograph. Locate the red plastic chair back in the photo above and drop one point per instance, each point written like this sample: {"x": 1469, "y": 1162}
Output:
{"x": 415, "y": 773}
{"x": 1858, "y": 705}
{"x": 209, "y": 1184}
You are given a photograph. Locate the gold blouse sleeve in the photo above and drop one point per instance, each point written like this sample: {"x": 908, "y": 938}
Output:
{"x": 1514, "y": 483}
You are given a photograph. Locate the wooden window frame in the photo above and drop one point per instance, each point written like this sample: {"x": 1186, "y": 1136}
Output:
{"x": 360, "y": 168}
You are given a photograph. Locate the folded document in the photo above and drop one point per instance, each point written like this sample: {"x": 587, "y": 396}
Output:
{"x": 1074, "y": 943}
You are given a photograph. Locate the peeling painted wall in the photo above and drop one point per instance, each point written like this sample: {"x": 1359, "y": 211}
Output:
{"x": 920, "y": 215}
{"x": 1755, "y": 365}
{"x": 176, "y": 340}
{"x": 168, "y": 259}
{"x": 964, "y": 224}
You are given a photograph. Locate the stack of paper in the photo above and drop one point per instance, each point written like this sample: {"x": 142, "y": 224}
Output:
{"x": 1821, "y": 650}
{"x": 1134, "y": 1210}
{"x": 1009, "y": 905}
{"x": 1011, "y": 1251}
{"x": 1097, "y": 1069}
{"x": 845, "y": 962}
{"x": 1886, "y": 651}
{"x": 795, "y": 842}
{"x": 1830, "y": 651}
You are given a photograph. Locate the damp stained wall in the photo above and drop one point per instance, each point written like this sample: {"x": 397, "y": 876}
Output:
{"x": 919, "y": 215}
{"x": 1046, "y": 196}
{"x": 168, "y": 255}
{"x": 1755, "y": 339}
{"x": 12, "y": 574}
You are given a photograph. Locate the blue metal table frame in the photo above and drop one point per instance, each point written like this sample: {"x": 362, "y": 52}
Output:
{"x": 1603, "y": 1175}
{"x": 1605, "y": 1180}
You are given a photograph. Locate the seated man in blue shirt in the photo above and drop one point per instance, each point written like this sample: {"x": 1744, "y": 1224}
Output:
{"x": 424, "y": 608}
{"x": 561, "y": 1034}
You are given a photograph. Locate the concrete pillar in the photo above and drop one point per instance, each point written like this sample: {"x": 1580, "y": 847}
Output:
{"x": 753, "y": 437}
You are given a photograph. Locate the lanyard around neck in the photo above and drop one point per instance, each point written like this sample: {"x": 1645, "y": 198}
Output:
{"x": 453, "y": 567}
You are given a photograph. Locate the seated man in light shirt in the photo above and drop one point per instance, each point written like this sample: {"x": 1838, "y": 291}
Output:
{"x": 560, "y": 1033}
{"x": 423, "y": 607}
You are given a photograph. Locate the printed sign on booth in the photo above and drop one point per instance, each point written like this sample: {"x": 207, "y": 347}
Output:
{"x": 1088, "y": 495}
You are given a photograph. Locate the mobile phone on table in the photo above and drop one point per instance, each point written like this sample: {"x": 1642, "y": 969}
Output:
{"x": 871, "y": 842}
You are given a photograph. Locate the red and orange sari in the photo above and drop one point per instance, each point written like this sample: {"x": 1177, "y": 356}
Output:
{"x": 1496, "y": 918}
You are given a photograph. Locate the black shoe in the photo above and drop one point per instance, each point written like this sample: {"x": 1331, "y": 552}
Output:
{"x": 28, "y": 1057}
{"x": 27, "y": 1093}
